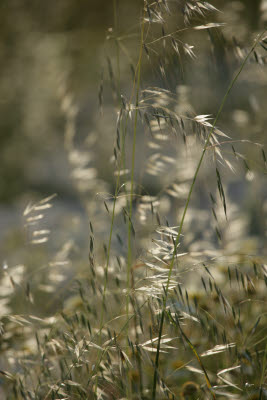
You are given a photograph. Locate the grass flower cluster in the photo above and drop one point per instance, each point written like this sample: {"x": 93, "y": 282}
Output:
{"x": 171, "y": 301}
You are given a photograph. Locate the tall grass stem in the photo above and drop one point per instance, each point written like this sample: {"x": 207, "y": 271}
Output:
{"x": 186, "y": 207}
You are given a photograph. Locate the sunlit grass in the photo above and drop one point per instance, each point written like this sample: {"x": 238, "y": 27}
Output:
{"x": 171, "y": 301}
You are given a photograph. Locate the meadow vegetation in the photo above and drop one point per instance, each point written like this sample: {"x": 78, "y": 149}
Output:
{"x": 170, "y": 302}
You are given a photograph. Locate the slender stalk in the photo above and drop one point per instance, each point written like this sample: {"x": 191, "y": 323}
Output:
{"x": 206, "y": 144}
{"x": 129, "y": 255}
{"x": 117, "y": 189}
{"x": 133, "y": 167}
{"x": 121, "y": 165}
{"x": 264, "y": 365}
{"x": 115, "y": 6}
{"x": 113, "y": 209}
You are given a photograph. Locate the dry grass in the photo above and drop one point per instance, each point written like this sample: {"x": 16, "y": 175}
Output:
{"x": 171, "y": 302}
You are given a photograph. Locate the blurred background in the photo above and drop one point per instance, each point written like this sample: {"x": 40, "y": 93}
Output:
{"x": 54, "y": 57}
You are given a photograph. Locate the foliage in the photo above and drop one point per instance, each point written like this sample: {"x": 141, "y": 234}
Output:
{"x": 171, "y": 301}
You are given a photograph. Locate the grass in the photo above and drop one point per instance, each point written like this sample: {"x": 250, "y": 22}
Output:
{"x": 172, "y": 305}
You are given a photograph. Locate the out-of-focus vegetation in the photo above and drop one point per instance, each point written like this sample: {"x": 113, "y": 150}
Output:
{"x": 106, "y": 291}
{"x": 43, "y": 44}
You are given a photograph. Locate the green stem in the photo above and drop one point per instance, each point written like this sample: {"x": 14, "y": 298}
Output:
{"x": 129, "y": 255}
{"x": 115, "y": 6}
{"x": 129, "y": 260}
{"x": 185, "y": 211}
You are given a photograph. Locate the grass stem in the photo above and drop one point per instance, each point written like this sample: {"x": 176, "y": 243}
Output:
{"x": 155, "y": 379}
